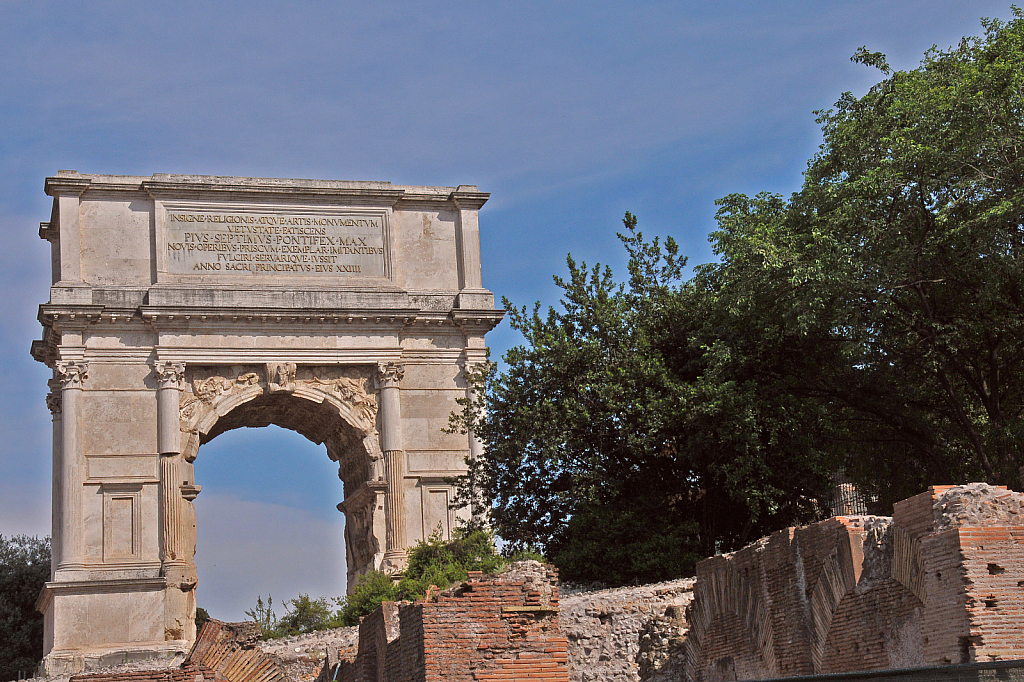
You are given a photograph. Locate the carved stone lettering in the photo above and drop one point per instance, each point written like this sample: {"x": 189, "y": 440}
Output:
{"x": 251, "y": 244}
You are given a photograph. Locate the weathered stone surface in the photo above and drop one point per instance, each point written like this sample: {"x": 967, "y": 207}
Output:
{"x": 302, "y": 657}
{"x": 185, "y": 306}
{"x": 604, "y": 628}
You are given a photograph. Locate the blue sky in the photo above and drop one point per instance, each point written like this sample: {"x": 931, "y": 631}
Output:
{"x": 569, "y": 114}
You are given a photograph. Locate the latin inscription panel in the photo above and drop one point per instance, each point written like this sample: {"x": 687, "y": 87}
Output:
{"x": 274, "y": 244}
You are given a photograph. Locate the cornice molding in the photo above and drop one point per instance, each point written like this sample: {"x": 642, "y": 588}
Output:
{"x": 467, "y": 197}
{"x": 162, "y": 186}
{"x": 66, "y": 184}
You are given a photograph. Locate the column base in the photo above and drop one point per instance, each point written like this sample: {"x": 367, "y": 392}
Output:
{"x": 394, "y": 561}
{"x": 76, "y": 661}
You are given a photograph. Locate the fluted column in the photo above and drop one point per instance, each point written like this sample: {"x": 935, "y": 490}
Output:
{"x": 389, "y": 377}
{"x": 173, "y": 513}
{"x": 53, "y": 402}
{"x": 472, "y": 373}
{"x": 71, "y": 375}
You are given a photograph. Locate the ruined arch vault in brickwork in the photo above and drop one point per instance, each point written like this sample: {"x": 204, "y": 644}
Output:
{"x": 186, "y": 306}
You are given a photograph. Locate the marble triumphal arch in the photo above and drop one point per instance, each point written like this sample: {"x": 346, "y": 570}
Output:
{"x": 186, "y": 306}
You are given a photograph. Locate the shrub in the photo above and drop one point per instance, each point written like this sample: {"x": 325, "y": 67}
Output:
{"x": 431, "y": 562}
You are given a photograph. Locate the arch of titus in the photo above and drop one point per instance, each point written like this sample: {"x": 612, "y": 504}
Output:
{"x": 186, "y": 306}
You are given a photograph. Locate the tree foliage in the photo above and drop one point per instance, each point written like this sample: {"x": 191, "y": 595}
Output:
{"x": 871, "y": 322}
{"x": 901, "y": 259}
{"x": 24, "y": 567}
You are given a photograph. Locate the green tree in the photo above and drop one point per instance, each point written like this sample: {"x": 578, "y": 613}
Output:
{"x": 24, "y": 567}
{"x": 872, "y": 322}
{"x": 623, "y": 442}
{"x": 308, "y": 615}
{"x": 202, "y": 618}
{"x": 897, "y": 268}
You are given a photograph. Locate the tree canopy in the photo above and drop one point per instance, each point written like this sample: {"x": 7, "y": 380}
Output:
{"x": 871, "y": 322}
{"x": 24, "y": 567}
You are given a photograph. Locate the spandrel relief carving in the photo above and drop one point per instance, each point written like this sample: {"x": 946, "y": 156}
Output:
{"x": 206, "y": 389}
{"x": 281, "y": 376}
{"x": 351, "y": 391}
{"x": 212, "y": 388}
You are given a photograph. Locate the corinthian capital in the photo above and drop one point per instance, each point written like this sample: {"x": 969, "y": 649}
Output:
{"x": 169, "y": 374}
{"x": 72, "y": 373}
{"x": 389, "y": 374}
{"x": 53, "y": 402}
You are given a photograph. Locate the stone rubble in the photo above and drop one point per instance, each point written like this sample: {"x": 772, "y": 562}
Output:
{"x": 604, "y": 628}
{"x": 301, "y": 657}
{"x": 978, "y": 504}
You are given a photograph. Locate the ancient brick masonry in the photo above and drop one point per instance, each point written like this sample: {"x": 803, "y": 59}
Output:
{"x": 940, "y": 582}
{"x": 502, "y": 627}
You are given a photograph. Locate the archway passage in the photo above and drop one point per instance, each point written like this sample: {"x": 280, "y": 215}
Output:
{"x": 266, "y": 521}
{"x": 329, "y": 405}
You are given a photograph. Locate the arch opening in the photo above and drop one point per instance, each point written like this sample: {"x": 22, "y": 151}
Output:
{"x": 330, "y": 405}
{"x": 266, "y": 521}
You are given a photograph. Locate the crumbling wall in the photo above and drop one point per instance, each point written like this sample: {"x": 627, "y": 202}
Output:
{"x": 502, "y": 627}
{"x": 606, "y": 630}
{"x": 303, "y": 657}
{"x": 940, "y": 582}
{"x": 190, "y": 672}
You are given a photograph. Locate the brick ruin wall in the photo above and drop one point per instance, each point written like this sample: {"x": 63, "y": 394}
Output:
{"x": 940, "y": 582}
{"x": 501, "y": 627}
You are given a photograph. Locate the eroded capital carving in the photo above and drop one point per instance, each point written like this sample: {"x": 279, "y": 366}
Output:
{"x": 170, "y": 374}
{"x": 53, "y": 402}
{"x": 72, "y": 373}
{"x": 389, "y": 374}
{"x": 281, "y": 376}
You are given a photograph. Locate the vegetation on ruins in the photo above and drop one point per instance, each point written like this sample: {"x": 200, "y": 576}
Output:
{"x": 871, "y": 322}
{"x": 24, "y": 567}
{"x": 432, "y": 562}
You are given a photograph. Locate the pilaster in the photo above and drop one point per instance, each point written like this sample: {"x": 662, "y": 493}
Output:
{"x": 53, "y": 403}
